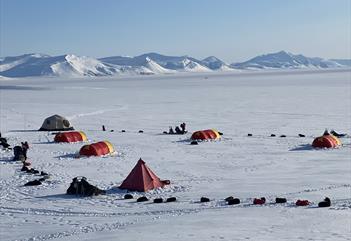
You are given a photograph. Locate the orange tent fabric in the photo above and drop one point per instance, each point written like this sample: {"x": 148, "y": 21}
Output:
{"x": 72, "y": 136}
{"x": 96, "y": 149}
{"x": 205, "y": 135}
{"x": 142, "y": 179}
{"x": 326, "y": 141}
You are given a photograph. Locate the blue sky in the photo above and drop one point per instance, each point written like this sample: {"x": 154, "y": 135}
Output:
{"x": 233, "y": 30}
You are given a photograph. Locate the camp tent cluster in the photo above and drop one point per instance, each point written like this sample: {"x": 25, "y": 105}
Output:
{"x": 71, "y": 136}
{"x": 141, "y": 178}
{"x": 326, "y": 141}
{"x": 59, "y": 123}
{"x": 206, "y": 135}
{"x": 97, "y": 149}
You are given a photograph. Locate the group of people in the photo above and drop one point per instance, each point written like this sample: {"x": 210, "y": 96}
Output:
{"x": 178, "y": 130}
{"x": 20, "y": 154}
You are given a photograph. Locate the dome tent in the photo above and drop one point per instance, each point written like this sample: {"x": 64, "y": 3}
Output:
{"x": 97, "y": 149}
{"x": 56, "y": 123}
{"x": 326, "y": 141}
{"x": 71, "y": 136}
{"x": 206, "y": 135}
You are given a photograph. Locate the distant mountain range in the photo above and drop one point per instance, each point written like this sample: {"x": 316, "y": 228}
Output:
{"x": 151, "y": 63}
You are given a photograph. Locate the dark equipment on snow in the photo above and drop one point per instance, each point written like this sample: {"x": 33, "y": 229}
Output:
{"x": 123, "y": 130}
{"x": 272, "y": 135}
{"x": 249, "y": 134}
{"x": 204, "y": 199}
{"x": 42, "y": 173}
{"x": 229, "y": 198}
{"x": 302, "y": 135}
{"x": 128, "y": 196}
{"x": 33, "y": 183}
{"x": 325, "y": 203}
{"x": 233, "y": 201}
{"x": 171, "y": 199}
{"x": 282, "y": 135}
{"x": 259, "y": 201}
{"x": 302, "y": 203}
{"x": 3, "y": 142}
{"x": 34, "y": 171}
{"x": 166, "y": 182}
{"x": 334, "y": 133}
{"x": 25, "y": 169}
{"x": 141, "y": 131}
{"x": 142, "y": 199}
{"x": 194, "y": 143}
{"x": 80, "y": 186}
{"x": 280, "y": 200}
{"x": 158, "y": 200}
{"x": 103, "y": 128}
{"x": 220, "y": 133}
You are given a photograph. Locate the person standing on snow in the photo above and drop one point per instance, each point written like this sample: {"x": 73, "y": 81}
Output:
{"x": 183, "y": 127}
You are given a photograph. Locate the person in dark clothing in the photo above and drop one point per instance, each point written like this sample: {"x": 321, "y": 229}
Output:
{"x": 25, "y": 148}
{"x": 18, "y": 154}
{"x": 326, "y": 133}
{"x": 171, "y": 131}
{"x": 183, "y": 127}
{"x": 177, "y": 130}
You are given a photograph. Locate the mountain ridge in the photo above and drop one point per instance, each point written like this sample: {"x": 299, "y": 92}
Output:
{"x": 37, "y": 64}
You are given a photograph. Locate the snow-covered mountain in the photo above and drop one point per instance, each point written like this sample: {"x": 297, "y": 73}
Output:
{"x": 64, "y": 65}
{"x": 214, "y": 63}
{"x": 283, "y": 60}
{"x": 151, "y": 63}
{"x": 169, "y": 64}
{"x": 143, "y": 61}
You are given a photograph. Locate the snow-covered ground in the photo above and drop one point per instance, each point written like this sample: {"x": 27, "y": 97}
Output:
{"x": 236, "y": 104}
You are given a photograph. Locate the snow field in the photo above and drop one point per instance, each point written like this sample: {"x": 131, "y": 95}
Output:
{"x": 238, "y": 165}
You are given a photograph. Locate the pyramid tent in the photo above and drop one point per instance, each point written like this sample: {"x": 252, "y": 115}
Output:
{"x": 142, "y": 179}
{"x": 56, "y": 123}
